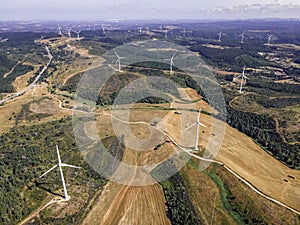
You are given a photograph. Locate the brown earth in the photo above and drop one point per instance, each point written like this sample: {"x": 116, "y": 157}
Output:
{"x": 240, "y": 153}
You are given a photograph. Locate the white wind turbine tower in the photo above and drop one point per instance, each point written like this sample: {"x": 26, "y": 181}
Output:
{"x": 69, "y": 32}
{"x": 119, "y": 61}
{"x": 183, "y": 32}
{"x": 140, "y": 30}
{"x": 60, "y": 165}
{"x": 78, "y": 35}
{"x": 243, "y": 37}
{"x": 220, "y": 35}
{"x": 198, "y": 124}
{"x": 269, "y": 39}
{"x": 171, "y": 63}
{"x": 103, "y": 28}
{"x": 166, "y": 33}
{"x": 242, "y": 76}
{"x": 59, "y": 30}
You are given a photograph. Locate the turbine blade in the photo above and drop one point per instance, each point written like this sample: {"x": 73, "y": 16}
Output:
{"x": 67, "y": 165}
{"x": 246, "y": 77}
{"x": 193, "y": 124}
{"x": 201, "y": 124}
{"x": 239, "y": 76}
{"x": 58, "y": 155}
{"x": 48, "y": 171}
{"x": 117, "y": 55}
{"x": 198, "y": 120}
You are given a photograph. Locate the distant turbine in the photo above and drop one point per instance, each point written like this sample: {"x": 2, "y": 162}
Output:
{"x": 171, "y": 63}
{"x": 160, "y": 28}
{"x": 220, "y": 35}
{"x": 166, "y": 33}
{"x": 60, "y": 165}
{"x": 119, "y": 61}
{"x": 269, "y": 39}
{"x": 243, "y": 37}
{"x": 103, "y": 28}
{"x": 42, "y": 36}
{"x": 242, "y": 76}
{"x": 59, "y": 30}
{"x": 69, "y": 32}
{"x": 198, "y": 124}
{"x": 78, "y": 36}
{"x": 89, "y": 27}
{"x": 140, "y": 30}
{"x": 183, "y": 32}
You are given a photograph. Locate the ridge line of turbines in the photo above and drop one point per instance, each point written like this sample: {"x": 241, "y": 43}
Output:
{"x": 165, "y": 31}
{"x": 242, "y": 41}
{"x": 242, "y": 76}
{"x": 69, "y": 34}
{"x": 220, "y": 34}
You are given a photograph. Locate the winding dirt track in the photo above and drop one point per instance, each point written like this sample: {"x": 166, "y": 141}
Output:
{"x": 37, "y": 211}
{"x": 265, "y": 177}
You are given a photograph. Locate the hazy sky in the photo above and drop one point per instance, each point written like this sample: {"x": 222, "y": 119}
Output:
{"x": 147, "y": 9}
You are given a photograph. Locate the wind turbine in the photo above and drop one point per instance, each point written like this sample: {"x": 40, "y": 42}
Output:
{"x": 59, "y": 30}
{"x": 60, "y": 165}
{"x": 242, "y": 76}
{"x": 78, "y": 36}
{"x": 119, "y": 61}
{"x": 166, "y": 33}
{"x": 171, "y": 63}
{"x": 69, "y": 32}
{"x": 42, "y": 36}
{"x": 220, "y": 35}
{"x": 103, "y": 28}
{"x": 243, "y": 37}
{"x": 198, "y": 124}
{"x": 269, "y": 39}
{"x": 140, "y": 30}
{"x": 183, "y": 32}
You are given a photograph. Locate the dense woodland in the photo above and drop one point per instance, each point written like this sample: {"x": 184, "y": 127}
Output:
{"x": 180, "y": 208}
{"x": 28, "y": 151}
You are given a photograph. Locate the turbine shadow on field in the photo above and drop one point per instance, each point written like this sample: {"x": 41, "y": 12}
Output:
{"x": 41, "y": 185}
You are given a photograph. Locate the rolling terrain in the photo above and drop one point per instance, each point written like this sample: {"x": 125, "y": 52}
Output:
{"x": 251, "y": 161}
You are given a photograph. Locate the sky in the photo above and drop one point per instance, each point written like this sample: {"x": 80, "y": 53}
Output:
{"x": 147, "y": 9}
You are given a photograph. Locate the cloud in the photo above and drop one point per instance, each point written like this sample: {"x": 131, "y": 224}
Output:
{"x": 256, "y": 8}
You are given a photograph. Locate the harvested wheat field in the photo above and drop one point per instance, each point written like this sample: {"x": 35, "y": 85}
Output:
{"x": 132, "y": 204}
{"x": 241, "y": 154}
